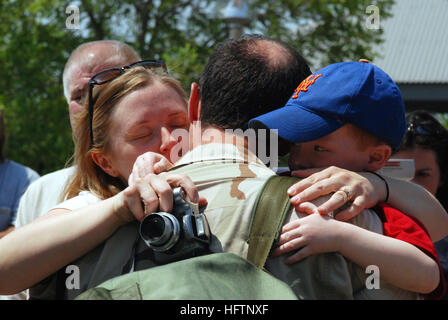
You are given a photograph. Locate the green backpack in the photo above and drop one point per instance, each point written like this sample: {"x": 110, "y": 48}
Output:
{"x": 217, "y": 276}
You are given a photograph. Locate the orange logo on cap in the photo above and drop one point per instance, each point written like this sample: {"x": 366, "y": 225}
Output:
{"x": 303, "y": 86}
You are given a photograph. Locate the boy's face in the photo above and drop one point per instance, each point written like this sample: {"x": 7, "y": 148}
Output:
{"x": 337, "y": 149}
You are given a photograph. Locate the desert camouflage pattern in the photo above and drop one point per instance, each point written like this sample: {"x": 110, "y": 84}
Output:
{"x": 230, "y": 179}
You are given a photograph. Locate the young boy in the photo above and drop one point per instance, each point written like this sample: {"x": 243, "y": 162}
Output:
{"x": 351, "y": 115}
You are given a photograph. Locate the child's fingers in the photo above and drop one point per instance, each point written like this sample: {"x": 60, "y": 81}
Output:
{"x": 306, "y": 207}
{"x": 289, "y": 235}
{"x": 353, "y": 210}
{"x": 299, "y": 255}
{"x": 291, "y": 225}
{"x": 290, "y": 245}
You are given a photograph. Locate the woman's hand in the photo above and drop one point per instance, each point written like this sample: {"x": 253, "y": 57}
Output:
{"x": 153, "y": 193}
{"x": 312, "y": 234}
{"x": 149, "y": 162}
{"x": 360, "y": 191}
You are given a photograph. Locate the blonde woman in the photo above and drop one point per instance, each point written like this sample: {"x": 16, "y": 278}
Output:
{"x": 131, "y": 110}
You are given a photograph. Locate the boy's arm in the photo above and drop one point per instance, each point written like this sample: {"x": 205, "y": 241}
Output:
{"x": 416, "y": 201}
{"x": 367, "y": 190}
{"x": 401, "y": 264}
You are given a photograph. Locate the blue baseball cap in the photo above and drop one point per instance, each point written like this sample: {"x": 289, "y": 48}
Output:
{"x": 359, "y": 93}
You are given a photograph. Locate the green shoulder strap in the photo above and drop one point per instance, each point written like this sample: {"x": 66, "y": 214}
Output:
{"x": 267, "y": 219}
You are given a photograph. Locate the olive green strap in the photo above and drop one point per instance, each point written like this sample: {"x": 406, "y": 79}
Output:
{"x": 267, "y": 219}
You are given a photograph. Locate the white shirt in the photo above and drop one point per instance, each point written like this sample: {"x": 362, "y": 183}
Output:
{"x": 42, "y": 195}
{"x": 83, "y": 199}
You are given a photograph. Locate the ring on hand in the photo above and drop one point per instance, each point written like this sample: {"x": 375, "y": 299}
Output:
{"x": 346, "y": 193}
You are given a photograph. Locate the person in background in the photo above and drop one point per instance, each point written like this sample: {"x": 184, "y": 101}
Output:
{"x": 359, "y": 137}
{"x": 85, "y": 61}
{"x": 426, "y": 141}
{"x": 14, "y": 179}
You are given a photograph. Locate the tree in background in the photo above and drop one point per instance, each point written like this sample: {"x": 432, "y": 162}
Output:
{"x": 36, "y": 42}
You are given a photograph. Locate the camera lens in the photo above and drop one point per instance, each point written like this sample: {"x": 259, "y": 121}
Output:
{"x": 154, "y": 228}
{"x": 160, "y": 231}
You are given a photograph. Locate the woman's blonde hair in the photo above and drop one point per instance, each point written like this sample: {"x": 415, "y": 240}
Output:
{"x": 88, "y": 175}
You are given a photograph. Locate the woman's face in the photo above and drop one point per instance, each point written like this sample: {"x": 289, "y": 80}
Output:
{"x": 427, "y": 171}
{"x": 142, "y": 121}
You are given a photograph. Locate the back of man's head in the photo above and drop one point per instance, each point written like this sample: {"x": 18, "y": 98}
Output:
{"x": 248, "y": 77}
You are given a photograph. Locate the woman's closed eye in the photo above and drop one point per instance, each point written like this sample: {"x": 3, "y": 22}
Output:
{"x": 144, "y": 135}
{"x": 139, "y": 134}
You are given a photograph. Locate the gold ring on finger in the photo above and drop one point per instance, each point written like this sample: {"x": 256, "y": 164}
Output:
{"x": 343, "y": 195}
{"x": 348, "y": 192}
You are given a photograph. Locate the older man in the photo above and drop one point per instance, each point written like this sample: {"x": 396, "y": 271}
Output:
{"x": 85, "y": 61}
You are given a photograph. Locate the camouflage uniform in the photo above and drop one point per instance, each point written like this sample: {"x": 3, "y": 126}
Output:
{"x": 230, "y": 180}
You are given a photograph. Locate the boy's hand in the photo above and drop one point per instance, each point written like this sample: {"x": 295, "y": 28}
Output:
{"x": 322, "y": 181}
{"x": 148, "y": 163}
{"x": 309, "y": 235}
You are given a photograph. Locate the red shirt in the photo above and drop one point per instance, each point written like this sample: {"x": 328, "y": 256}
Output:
{"x": 399, "y": 226}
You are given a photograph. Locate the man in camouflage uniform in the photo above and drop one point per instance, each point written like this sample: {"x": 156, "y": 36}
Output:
{"x": 243, "y": 78}
{"x": 230, "y": 177}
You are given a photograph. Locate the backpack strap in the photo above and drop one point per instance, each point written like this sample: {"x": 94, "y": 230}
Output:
{"x": 270, "y": 211}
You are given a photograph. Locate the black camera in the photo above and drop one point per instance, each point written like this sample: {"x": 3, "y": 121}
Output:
{"x": 181, "y": 234}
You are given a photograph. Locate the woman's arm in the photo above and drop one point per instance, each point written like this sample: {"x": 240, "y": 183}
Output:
{"x": 367, "y": 190}
{"x": 35, "y": 251}
{"x": 414, "y": 200}
{"x": 401, "y": 264}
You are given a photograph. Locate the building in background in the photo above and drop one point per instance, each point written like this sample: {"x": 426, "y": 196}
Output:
{"x": 415, "y": 52}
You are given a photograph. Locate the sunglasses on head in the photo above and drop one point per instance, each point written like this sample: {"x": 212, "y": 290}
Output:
{"x": 111, "y": 74}
{"x": 423, "y": 129}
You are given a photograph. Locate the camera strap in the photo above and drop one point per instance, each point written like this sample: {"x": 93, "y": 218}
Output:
{"x": 270, "y": 210}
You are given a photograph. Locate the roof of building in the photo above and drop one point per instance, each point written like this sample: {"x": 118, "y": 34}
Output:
{"x": 415, "y": 50}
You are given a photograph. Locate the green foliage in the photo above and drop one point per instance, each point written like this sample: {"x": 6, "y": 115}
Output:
{"x": 35, "y": 44}
{"x": 443, "y": 118}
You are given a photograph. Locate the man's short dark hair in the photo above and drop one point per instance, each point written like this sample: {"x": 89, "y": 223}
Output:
{"x": 248, "y": 77}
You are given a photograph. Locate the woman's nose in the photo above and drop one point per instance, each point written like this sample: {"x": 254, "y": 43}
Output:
{"x": 168, "y": 142}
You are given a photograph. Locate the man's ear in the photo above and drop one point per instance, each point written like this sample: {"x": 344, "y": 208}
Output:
{"x": 105, "y": 164}
{"x": 378, "y": 155}
{"x": 194, "y": 103}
